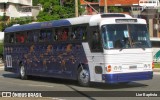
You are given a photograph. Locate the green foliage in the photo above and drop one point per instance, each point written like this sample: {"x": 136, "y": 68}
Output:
{"x": 2, "y": 26}
{"x": 56, "y": 9}
{"x": 156, "y": 65}
{"x": 2, "y": 22}
{"x": 114, "y": 9}
{"x": 22, "y": 20}
{"x": 35, "y": 2}
{"x": 1, "y": 48}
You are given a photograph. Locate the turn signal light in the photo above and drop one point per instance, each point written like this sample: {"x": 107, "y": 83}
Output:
{"x": 109, "y": 68}
{"x": 152, "y": 65}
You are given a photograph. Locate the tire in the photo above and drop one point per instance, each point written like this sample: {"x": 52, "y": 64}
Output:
{"x": 22, "y": 72}
{"x": 83, "y": 77}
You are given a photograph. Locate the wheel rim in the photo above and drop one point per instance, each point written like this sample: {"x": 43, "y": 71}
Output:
{"x": 84, "y": 76}
{"x": 22, "y": 71}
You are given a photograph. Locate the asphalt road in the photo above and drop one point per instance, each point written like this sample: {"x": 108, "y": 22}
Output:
{"x": 10, "y": 82}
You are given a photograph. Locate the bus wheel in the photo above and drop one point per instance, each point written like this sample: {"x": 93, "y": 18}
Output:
{"x": 83, "y": 77}
{"x": 23, "y": 72}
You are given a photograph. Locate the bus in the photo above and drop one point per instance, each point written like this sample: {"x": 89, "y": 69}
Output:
{"x": 108, "y": 48}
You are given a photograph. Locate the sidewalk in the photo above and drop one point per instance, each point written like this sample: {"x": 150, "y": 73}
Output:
{"x": 156, "y": 69}
{"x": 1, "y": 66}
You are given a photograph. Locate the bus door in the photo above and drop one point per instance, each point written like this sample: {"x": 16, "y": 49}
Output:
{"x": 9, "y": 61}
{"x": 96, "y": 66}
{"x": 96, "y": 55}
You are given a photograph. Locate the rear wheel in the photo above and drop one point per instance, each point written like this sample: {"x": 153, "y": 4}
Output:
{"x": 83, "y": 77}
{"x": 23, "y": 72}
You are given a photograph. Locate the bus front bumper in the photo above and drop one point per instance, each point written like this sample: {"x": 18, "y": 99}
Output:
{"x": 127, "y": 77}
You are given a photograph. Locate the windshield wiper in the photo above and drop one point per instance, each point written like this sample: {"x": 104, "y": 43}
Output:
{"x": 138, "y": 44}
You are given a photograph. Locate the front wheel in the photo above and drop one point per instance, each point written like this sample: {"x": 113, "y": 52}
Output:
{"x": 23, "y": 72}
{"x": 83, "y": 77}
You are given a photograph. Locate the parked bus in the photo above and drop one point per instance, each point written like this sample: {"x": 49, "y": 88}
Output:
{"x": 108, "y": 48}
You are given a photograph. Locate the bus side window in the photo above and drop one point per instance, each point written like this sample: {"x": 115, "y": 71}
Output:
{"x": 32, "y": 36}
{"x": 20, "y": 37}
{"x": 95, "y": 41}
{"x": 9, "y": 38}
{"x": 61, "y": 34}
{"x": 58, "y": 34}
{"x": 79, "y": 32}
{"x": 65, "y": 34}
{"x": 45, "y": 35}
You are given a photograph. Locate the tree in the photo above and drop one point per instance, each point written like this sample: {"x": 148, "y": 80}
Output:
{"x": 114, "y": 9}
{"x": 57, "y": 9}
{"x": 35, "y": 2}
{"x": 21, "y": 21}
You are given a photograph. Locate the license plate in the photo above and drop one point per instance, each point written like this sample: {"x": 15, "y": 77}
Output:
{"x": 132, "y": 67}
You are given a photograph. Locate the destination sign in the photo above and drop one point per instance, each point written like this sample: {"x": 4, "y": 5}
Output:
{"x": 126, "y": 20}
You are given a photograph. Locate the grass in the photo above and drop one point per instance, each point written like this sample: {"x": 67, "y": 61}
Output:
{"x": 156, "y": 65}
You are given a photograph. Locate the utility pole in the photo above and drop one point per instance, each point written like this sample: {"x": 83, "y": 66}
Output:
{"x": 105, "y": 7}
{"x": 76, "y": 8}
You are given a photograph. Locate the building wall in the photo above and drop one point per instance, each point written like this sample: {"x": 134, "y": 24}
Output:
{"x": 35, "y": 12}
{"x": 12, "y": 10}
{"x": 15, "y": 10}
{"x": 23, "y": 2}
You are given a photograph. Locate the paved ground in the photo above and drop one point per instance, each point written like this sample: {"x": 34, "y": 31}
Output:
{"x": 10, "y": 82}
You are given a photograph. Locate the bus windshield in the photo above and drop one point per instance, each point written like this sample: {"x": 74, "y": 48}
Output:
{"x": 123, "y": 36}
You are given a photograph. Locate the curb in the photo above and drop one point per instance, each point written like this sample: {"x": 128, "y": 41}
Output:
{"x": 1, "y": 64}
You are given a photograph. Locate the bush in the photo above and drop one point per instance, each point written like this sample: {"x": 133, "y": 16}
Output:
{"x": 156, "y": 65}
{"x": 1, "y": 49}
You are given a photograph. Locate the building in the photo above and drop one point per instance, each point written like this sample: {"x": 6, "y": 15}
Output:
{"x": 18, "y": 8}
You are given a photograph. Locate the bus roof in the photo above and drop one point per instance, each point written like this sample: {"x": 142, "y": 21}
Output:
{"x": 90, "y": 19}
{"x": 40, "y": 25}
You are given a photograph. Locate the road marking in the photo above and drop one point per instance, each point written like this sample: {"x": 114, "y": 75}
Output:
{"x": 58, "y": 99}
{"x": 40, "y": 85}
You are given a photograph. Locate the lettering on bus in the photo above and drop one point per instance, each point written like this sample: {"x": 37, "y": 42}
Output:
{"x": 126, "y": 20}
